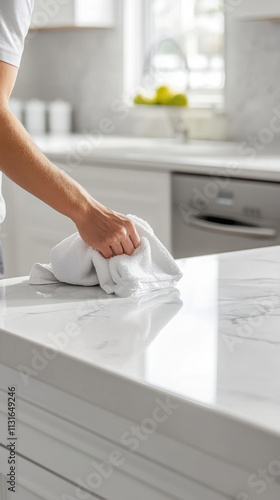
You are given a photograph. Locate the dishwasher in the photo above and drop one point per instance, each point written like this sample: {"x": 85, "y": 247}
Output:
{"x": 214, "y": 214}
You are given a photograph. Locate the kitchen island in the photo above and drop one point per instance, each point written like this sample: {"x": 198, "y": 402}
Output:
{"x": 169, "y": 396}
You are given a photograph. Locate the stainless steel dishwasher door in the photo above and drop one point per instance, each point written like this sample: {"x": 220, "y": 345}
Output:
{"x": 214, "y": 214}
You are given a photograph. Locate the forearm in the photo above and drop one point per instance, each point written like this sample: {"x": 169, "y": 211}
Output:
{"x": 24, "y": 163}
{"x": 100, "y": 227}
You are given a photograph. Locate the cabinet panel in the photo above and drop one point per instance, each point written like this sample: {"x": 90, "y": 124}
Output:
{"x": 8, "y": 238}
{"x": 32, "y": 228}
{"x": 136, "y": 192}
{"x": 36, "y": 483}
{"x": 253, "y": 9}
{"x": 50, "y": 443}
{"x": 72, "y": 13}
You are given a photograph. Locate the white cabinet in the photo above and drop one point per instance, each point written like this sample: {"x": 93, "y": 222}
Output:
{"x": 129, "y": 191}
{"x": 32, "y": 228}
{"x": 253, "y": 9}
{"x": 72, "y": 449}
{"x": 72, "y": 13}
{"x": 34, "y": 482}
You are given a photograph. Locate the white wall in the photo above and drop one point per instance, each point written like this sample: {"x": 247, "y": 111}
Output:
{"x": 86, "y": 68}
{"x": 83, "y": 66}
{"x": 253, "y": 75}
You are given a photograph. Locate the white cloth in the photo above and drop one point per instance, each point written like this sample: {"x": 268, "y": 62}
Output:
{"x": 151, "y": 267}
{"x": 15, "y": 18}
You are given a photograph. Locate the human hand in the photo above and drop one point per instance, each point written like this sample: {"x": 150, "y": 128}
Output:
{"x": 109, "y": 232}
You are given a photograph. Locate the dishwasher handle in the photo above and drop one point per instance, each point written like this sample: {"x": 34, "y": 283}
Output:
{"x": 247, "y": 230}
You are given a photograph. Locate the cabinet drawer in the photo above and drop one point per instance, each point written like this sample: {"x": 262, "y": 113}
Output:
{"x": 36, "y": 483}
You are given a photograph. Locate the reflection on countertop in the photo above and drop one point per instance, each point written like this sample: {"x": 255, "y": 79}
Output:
{"x": 214, "y": 340}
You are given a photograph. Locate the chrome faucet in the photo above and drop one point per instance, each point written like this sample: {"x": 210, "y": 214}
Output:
{"x": 151, "y": 75}
{"x": 149, "y": 68}
{"x": 179, "y": 127}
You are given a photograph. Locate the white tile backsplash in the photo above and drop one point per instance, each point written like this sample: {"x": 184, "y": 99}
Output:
{"x": 85, "y": 67}
{"x": 253, "y": 75}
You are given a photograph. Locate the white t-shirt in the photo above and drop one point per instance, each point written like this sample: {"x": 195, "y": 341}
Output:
{"x": 15, "y": 18}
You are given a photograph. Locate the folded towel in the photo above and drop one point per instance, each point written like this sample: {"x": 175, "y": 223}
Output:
{"x": 151, "y": 267}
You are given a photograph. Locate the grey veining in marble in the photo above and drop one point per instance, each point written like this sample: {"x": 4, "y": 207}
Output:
{"x": 215, "y": 340}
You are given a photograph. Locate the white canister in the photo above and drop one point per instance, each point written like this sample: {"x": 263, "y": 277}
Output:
{"x": 35, "y": 117}
{"x": 16, "y": 107}
{"x": 60, "y": 117}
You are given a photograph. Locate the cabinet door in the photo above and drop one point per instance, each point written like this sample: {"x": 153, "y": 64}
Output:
{"x": 142, "y": 193}
{"x": 36, "y": 483}
{"x": 253, "y": 9}
{"x": 72, "y": 13}
{"x": 32, "y": 228}
{"x": 29, "y": 231}
{"x": 8, "y": 230}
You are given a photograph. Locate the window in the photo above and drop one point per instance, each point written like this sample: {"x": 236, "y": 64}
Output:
{"x": 182, "y": 44}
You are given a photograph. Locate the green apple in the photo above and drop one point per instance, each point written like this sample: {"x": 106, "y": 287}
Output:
{"x": 163, "y": 94}
{"x": 178, "y": 100}
{"x": 140, "y": 99}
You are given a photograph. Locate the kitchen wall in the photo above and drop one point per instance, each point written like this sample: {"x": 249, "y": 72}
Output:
{"x": 86, "y": 68}
{"x": 253, "y": 75}
{"x": 83, "y": 66}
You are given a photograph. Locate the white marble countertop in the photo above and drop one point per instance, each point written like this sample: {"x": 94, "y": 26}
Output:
{"x": 228, "y": 159}
{"x": 215, "y": 342}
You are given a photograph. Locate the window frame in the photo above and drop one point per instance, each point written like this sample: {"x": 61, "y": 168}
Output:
{"x": 136, "y": 21}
